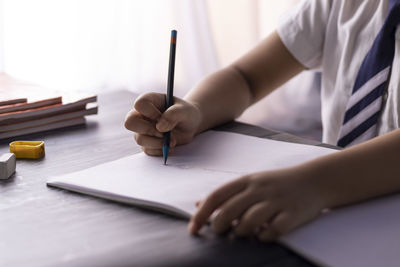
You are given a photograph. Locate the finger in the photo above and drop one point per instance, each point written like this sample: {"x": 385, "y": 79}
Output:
{"x": 232, "y": 210}
{"x": 254, "y": 217}
{"x": 213, "y": 201}
{"x": 152, "y": 152}
{"x": 153, "y": 142}
{"x": 134, "y": 122}
{"x": 148, "y": 141}
{"x": 150, "y": 105}
{"x": 280, "y": 225}
{"x": 283, "y": 223}
{"x": 171, "y": 117}
{"x": 267, "y": 235}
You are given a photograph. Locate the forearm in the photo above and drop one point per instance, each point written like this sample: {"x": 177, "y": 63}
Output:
{"x": 221, "y": 97}
{"x": 358, "y": 173}
{"x": 224, "y": 95}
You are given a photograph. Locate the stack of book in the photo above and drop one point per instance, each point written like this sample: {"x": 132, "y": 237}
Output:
{"x": 20, "y": 117}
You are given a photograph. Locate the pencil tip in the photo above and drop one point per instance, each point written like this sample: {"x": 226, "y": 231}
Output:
{"x": 165, "y": 154}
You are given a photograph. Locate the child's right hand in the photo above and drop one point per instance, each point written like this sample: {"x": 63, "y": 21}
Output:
{"x": 148, "y": 121}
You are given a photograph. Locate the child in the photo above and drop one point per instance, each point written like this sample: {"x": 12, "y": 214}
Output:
{"x": 356, "y": 45}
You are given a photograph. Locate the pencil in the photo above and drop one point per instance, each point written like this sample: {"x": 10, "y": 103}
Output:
{"x": 169, "y": 99}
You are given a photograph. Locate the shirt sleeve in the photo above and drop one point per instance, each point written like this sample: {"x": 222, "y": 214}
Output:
{"x": 302, "y": 30}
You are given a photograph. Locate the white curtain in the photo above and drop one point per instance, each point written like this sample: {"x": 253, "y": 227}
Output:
{"x": 108, "y": 44}
{"x": 238, "y": 26}
{"x": 105, "y": 44}
{"x": 101, "y": 45}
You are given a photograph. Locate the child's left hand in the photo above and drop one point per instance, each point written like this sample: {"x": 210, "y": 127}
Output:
{"x": 266, "y": 204}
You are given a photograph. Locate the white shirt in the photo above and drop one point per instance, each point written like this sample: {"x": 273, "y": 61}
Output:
{"x": 334, "y": 36}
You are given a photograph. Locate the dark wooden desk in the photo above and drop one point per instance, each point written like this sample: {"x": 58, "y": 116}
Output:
{"x": 41, "y": 226}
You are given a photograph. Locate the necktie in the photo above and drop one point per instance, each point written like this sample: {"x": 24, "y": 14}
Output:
{"x": 365, "y": 103}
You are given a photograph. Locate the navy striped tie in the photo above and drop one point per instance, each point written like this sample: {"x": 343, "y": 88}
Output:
{"x": 363, "y": 109}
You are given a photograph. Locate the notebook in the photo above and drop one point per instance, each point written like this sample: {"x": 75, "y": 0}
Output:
{"x": 89, "y": 110}
{"x": 44, "y": 127}
{"x": 363, "y": 235}
{"x": 45, "y": 111}
{"x": 212, "y": 159}
{"x": 19, "y": 117}
{"x": 25, "y": 105}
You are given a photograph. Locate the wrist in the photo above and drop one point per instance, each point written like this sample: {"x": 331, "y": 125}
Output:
{"x": 313, "y": 177}
{"x": 200, "y": 116}
{"x": 330, "y": 181}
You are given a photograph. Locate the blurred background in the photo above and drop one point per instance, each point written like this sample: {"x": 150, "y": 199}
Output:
{"x": 97, "y": 46}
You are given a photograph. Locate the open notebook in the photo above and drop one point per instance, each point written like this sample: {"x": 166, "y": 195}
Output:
{"x": 362, "y": 235}
{"x": 192, "y": 171}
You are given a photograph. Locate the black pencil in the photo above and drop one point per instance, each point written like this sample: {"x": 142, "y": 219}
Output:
{"x": 169, "y": 99}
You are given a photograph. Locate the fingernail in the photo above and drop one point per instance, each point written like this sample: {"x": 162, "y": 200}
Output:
{"x": 162, "y": 125}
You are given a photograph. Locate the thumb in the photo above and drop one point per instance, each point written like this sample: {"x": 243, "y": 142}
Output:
{"x": 171, "y": 117}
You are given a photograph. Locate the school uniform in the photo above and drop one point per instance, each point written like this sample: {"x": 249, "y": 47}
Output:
{"x": 334, "y": 37}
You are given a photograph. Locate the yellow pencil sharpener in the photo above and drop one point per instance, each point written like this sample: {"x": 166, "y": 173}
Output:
{"x": 27, "y": 149}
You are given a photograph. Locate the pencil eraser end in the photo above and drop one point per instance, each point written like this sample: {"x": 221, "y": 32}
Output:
{"x": 7, "y": 165}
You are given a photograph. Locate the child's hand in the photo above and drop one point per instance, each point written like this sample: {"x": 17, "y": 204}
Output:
{"x": 148, "y": 121}
{"x": 266, "y": 204}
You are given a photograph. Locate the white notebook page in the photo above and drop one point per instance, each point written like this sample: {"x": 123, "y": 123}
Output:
{"x": 192, "y": 171}
{"x": 362, "y": 235}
